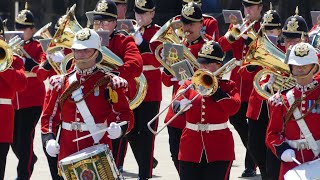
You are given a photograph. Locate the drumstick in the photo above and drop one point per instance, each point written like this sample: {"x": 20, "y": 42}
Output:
{"x": 98, "y": 132}
{"x": 296, "y": 161}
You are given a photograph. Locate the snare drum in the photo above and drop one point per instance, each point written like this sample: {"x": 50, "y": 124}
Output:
{"x": 306, "y": 171}
{"x": 93, "y": 163}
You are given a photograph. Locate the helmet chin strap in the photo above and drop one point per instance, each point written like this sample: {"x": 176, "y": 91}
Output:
{"x": 93, "y": 57}
{"x": 306, "y": 75}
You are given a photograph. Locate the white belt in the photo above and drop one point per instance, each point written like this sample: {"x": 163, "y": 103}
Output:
{"x": 300, "y": 144}
{"x": 30, "y": 74}
{"x": 238, "y": 63}
{"x": 5, "y": 101}
{"x": 78, "y": 126}
{"x": 149, "y": 68}
{"x": 206, "y": 127}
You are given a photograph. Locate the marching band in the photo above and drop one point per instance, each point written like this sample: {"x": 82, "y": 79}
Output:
{"x": 105, "y": 91}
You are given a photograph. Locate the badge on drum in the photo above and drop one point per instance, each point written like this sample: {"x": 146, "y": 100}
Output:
{"x": 86, "y": 173}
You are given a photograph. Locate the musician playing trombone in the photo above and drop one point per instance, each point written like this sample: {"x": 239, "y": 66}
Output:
{"x": 293, "y": 133}
{"x": 12, "y": 80}
{"x": 207, "y": 146}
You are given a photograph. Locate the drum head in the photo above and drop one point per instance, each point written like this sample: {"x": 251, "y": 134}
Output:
{"x": 84, "y": 154}
{"x": 305, "y": 171}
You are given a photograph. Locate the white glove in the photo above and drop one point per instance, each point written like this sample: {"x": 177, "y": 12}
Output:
{"x": 114, "y": 131}
{"x": 287, "y": 155}
{"x": 185, "y": 102}
{"x": 138, "y": 38}
{"x": 56, "y": 56}
{"x": 52, "y": 148}
{"x": 119, "y": 82}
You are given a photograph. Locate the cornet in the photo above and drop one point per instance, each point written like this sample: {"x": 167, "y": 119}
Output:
{"x": 237, "y": 31}
{"x": 203, "y": 81}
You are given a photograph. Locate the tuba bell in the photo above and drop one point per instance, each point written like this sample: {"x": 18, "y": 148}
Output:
{"x": 264, "y": 53}
{"x": 6, "y": 56}
{"x": 167, "y": 34}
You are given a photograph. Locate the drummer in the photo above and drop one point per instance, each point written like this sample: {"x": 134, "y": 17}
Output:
{"x": 88, "y": 98}
{"x": 294, "y": 129}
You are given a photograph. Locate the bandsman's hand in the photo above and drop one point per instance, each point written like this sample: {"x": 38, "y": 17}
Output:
{"x": 119, "y": 82}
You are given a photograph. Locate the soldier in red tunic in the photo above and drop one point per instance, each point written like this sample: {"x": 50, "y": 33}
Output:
{"x": 124, "y": 47}
{"x": 191, "y": 23}
{"x": 28, "y": 103}
{"x": 244, "y": 77}
{"x": 294, "y": 131}
{"x": 11, "y": 81}
{"x": 140, "y": 138}
{"x": 84, "y": 101}
{"x": 207, "y": 146}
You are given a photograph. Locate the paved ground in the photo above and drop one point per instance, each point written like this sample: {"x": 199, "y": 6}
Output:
{"x": 164, "y": 171}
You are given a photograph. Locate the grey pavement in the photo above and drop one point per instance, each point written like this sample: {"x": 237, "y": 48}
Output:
{"x": 164, "y": 171}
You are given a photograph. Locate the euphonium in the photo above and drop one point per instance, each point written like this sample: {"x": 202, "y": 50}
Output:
{"x": 167, "y": 34}
{"x": 6, "y": 56}
{"x": 264, "y": 53}
{"x": 44, "y": 32}
{"x": 205, "y": 82}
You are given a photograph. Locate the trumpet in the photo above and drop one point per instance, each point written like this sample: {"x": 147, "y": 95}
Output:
{"x": 16, "y": 44}
{"x": 236, "y": 32}
{"x": 204, "y": 82}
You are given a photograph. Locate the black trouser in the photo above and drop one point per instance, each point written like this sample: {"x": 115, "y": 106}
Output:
{"x": 174, "y": 142}
{"x": 4, "y": 148}
{"x": 119, "y": 150}
{"x": 218, "y": 170}
{"x": 240, "y": 124}
{"x": 25, "y": 121}
{"x": 141, "y": 139}
{"x": 256, "y": 141}
{"x": 272, "y": 165}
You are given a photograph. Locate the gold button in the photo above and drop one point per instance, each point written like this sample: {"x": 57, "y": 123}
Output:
{"x": 202, "y": 119}
{"x": 303, "y": 102}
{"x": 203, "y": 113}
{"x": 303, "y": 108}
{"x": 203, "y": 107}
{"x": 77, "y": 119}
{"x": 203, "y": 100}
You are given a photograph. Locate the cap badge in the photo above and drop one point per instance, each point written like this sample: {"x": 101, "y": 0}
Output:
{"x": 22, "y": 16}
{"x": 301, "y": 50}
{"x": 207, "y": 49}
{"x": 83, "y": 35}
{"x": 188, "y": 10}
{"x": 292, "y": 25}
{"x": 141, "y": 3}
{"x": 102, "y": 6}
{"x": 268, "y": 17}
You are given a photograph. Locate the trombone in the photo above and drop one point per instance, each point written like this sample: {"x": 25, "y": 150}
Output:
{"x": 203, "y": 81}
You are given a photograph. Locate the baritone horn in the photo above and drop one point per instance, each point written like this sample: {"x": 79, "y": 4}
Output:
{"x": 203, "y": 81}
{"x": 265, "y": 54}
{"x": 167, "y": 34}
{"x": 44, "y": 32}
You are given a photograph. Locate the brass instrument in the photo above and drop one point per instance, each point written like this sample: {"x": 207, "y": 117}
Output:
{"x": 16, "y": 44}
{"x": 236, "y": 33}
{"x": 167, "y": 34}
{"x": 44, "y": 32}
{"x": 63, "y": 38}
{"x": 6, "y": 56}
{"x": 264, "y": 53}
{"x": 203, "y": 81}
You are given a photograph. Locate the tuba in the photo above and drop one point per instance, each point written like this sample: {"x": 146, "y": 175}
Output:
{"x": 6, "y": 56}
{"x": 203, "y": 81}
{"x": 167, "y": 34}
{"x": 264, "y": 53}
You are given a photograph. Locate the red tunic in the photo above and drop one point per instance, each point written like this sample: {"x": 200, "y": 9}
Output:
{"x": 34, "y": 93}
{"x": 244, "y": 78}
{"x": 276, "y": 135}
{"x": 101, "y": 109}
{"x": 151, "y": 65}
{"x": 218, "y": 145}
{"x": 125, "y": 48}
{"x": 11, "y": 81}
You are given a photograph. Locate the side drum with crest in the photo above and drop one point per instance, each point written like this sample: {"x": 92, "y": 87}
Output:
{"x": 93, "y": 163}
